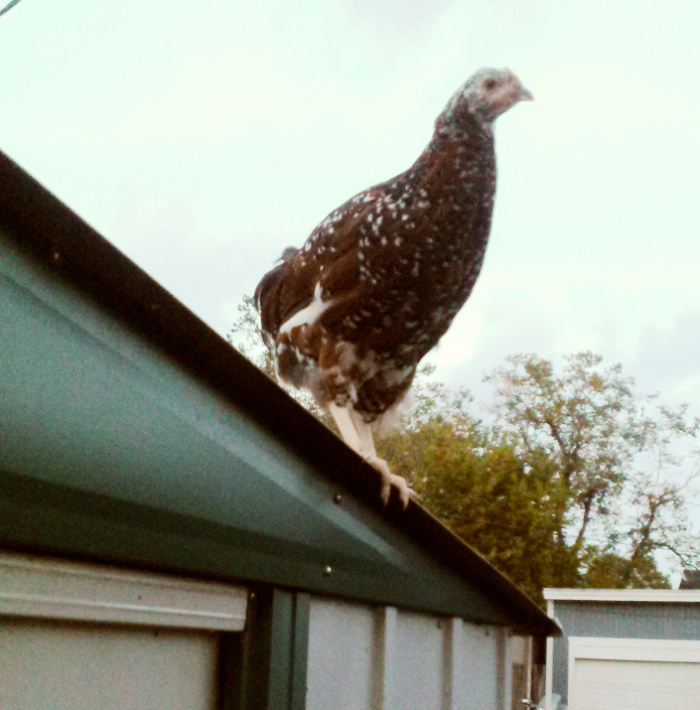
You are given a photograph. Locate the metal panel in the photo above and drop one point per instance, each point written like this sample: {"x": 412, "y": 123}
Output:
{"x": 344, "y": 668}
{"x": 633, "y": 674}
{"x": 64, "y": 666}
{"x": 628, "y": 685}
{"x": 481, "y": 669}
{"x": 55, "y": 589}
{"x": 420, "y": 664}
{"x": 267, "y": 666}
{"x": 381, "y": 658}
{"x": 634, "y": 620}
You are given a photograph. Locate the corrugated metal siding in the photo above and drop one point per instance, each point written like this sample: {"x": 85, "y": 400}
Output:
{"x": 342, "y": 655}
{"x": 379, "y": 658}
{"x": 632, "y": 620}
{"x": 652, "y": 621}
{"x": 59, "y": 665}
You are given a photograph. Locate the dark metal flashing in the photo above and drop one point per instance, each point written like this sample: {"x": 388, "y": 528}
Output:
{"x": 34, "y": 511}
{"x": 265, "y": 668}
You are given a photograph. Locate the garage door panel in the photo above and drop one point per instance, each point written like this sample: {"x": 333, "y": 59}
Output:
{"x": 636, "y": 685}
{"x": 633, "y": 674}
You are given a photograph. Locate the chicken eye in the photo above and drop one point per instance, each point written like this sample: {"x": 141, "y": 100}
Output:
{"x": 490, "y": 84}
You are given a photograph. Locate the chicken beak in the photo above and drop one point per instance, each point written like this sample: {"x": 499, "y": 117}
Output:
{"x": 521, "y": 93}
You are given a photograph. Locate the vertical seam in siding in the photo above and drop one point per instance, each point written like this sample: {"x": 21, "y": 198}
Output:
{"x": 549, "y": 663}
{"x": 506, "y": 668}
{"x": 385, "y": 655}
{"x": 300, "y": 651}
{"x": 452, "y": 656}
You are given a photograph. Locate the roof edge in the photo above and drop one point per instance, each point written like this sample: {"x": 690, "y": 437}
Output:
{"x": 648, "y": 596}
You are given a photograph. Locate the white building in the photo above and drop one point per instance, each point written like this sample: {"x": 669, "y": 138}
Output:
{"x": 625, "y": 649}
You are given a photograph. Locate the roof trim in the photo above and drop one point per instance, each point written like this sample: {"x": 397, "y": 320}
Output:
{"x": 61, "y": 242}
{"x": 620, "y": 596}
{"x": 54, "y": 589}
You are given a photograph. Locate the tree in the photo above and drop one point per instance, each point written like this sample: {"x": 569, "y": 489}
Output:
{"x": 614, "y": 453}
{"x": 246, "y": 337}
{"x": 473, "y": 479}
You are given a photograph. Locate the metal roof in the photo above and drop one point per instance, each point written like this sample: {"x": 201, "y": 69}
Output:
{"x": 133, "y": 433}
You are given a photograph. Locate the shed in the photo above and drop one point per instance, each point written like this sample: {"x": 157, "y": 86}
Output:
{"x": 176, "y": 532}
{"x": 624, "y": 649}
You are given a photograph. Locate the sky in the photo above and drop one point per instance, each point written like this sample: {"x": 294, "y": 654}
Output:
{"x": 203, "y": 138}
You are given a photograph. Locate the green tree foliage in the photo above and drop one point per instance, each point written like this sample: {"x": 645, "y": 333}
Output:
{"x": 574, "y": 480}
{"x": 246, "y": 337}
{"x": 613, "y": 452}
{"x": 475, "y": 482}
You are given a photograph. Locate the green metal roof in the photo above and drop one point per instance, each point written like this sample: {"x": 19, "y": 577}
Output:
{"x": 131, "y": 433}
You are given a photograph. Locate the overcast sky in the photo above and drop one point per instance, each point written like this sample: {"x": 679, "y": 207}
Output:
{"x": 202, "y": 138}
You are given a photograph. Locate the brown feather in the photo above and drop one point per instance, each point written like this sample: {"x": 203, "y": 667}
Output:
{"x": 379, "y": 281}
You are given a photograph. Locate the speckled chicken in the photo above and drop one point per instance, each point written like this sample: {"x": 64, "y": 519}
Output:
{"x": 350, "y": 315}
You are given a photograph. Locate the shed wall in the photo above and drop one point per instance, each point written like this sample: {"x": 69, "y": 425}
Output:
{"x": 63, "y": 666}
{"x": 365, "y": 657}
{"x": 623, "y": 620}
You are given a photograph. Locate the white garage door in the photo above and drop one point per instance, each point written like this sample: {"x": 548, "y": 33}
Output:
{"x": 633, "y": 674}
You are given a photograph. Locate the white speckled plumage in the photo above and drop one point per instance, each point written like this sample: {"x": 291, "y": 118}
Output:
{"x": 351, "y": 314}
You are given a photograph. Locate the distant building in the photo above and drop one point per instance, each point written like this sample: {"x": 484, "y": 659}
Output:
{"x": 690, "y": 579}
{"x": 624, "y": 649}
